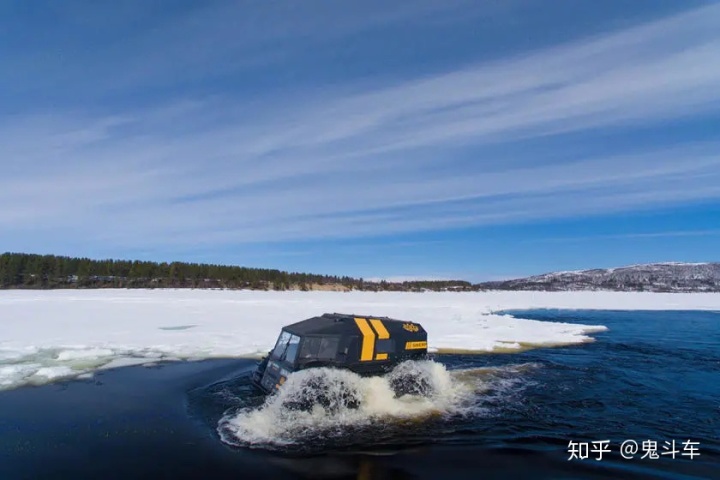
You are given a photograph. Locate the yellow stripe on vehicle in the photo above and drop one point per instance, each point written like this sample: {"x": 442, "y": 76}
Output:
{"x": 381, "y": 356}
{"x": 368, "y": 343}
{"x": 382, "y": 332}
{"x": 415, "y": 345}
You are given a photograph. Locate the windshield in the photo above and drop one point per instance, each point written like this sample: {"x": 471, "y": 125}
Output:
{"x": 286, "y": 347}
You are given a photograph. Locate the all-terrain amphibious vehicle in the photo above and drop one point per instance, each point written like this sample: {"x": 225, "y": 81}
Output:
{"x": 364, "y": 344}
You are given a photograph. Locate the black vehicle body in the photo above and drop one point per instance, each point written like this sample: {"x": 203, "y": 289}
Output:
{"x": 366, "y": 345}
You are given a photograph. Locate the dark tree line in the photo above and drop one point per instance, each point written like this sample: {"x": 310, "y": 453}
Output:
{"x": 51, "y": 271}
{"x": 22, "y": 270}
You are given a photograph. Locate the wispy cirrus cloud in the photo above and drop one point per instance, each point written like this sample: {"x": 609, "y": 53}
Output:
{"x": 711, "y": 232}
{"x": 449, "y": 150}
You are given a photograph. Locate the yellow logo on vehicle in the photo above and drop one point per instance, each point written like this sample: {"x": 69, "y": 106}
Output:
{"x": 411, "y": 327}
{"x": 415, "y": 345}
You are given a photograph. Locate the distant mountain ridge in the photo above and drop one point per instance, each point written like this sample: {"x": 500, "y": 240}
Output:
{"x": 652, "y": 277}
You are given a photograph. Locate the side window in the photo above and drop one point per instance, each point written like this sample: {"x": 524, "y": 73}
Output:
{"x": 319, "y": 347}
{"x": 328, "y": 347}
{"x": 310, "y": 347}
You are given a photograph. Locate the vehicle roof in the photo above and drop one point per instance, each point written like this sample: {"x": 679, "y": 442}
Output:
{"x": 336, "y": 324}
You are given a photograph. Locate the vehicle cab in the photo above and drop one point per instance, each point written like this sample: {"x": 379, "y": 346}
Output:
{"x": 367, "y": 345}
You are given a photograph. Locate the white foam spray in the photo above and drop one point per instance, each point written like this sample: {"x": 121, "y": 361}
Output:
{"x": 329, "y": 407}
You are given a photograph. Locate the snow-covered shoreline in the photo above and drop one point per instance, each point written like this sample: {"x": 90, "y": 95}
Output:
{"x": 46, "y": 335}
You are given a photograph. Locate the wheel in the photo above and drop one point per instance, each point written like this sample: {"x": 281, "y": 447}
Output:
{"x": 321, "y": 388}
{"x": 409, "y": 378}
{"x": 411, "y": 385}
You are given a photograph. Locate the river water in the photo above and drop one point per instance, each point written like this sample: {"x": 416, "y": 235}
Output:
{"x": 652, "y": 377}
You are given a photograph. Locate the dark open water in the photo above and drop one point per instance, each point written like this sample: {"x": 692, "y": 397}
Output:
{"x": 652, "y": 376}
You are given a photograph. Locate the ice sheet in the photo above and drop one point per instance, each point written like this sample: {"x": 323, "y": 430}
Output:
{"x": 45, "y": 335}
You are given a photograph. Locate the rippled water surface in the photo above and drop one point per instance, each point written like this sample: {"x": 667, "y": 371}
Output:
{"x": 652, "y": 376}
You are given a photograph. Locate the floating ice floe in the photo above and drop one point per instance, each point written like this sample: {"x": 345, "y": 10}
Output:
{"x": 50, "y": 335}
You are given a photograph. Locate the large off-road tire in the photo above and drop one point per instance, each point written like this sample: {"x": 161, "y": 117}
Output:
{"x": 318, "y": 389}
{"x": 409, "y": 379}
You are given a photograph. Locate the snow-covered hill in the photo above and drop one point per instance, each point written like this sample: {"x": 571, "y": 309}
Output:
{"x": 653, "y": 277}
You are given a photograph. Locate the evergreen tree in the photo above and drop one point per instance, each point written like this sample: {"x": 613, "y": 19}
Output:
{"x": 19, "y": 270}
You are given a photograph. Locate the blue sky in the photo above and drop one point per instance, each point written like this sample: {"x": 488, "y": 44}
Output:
{"x": 418, "y": 139}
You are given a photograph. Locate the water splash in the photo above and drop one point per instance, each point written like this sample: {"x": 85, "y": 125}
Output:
{"x": 330, "y": 405}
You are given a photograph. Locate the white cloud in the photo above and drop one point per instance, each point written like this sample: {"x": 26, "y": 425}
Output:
{"x": 635, "y": 235}
{"x": 420, "y": 154}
